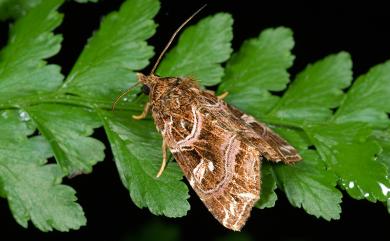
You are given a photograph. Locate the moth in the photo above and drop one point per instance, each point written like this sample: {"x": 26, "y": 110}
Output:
{"x": 218, "y": 147}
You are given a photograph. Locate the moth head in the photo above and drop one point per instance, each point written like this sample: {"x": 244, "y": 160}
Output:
{"x": 147, "y": 81}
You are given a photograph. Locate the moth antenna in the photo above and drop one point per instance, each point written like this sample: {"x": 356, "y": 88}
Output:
{"x": 173, "y": 38}
{"x": 123, "y": 94}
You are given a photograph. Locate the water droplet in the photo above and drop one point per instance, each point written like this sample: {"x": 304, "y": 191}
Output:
{"x": 351, "y": 184}
{"x": 366, "y": 195}
{"x": 125, "y": 99}
{"x": 4, "y": 115}
{"x": 23, "y": 116}
{"x": 385, "y": 189}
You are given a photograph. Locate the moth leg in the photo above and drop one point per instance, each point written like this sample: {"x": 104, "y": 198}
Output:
{"x": 222, "y": 96}
{"x": 144, "y": 113}
{"x": 164, "y": 160}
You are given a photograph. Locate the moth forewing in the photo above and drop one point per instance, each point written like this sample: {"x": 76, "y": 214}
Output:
{"x": 273, "y": 147}
{"x": 218, "y": 147}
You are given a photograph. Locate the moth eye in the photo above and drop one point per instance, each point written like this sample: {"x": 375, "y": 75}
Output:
{"x": 145, "y": 89}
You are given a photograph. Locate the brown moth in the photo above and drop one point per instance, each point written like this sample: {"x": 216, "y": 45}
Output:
{"x": 218, "y": 147}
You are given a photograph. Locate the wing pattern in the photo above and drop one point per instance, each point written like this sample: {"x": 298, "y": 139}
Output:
{"x": 219, "y": 149}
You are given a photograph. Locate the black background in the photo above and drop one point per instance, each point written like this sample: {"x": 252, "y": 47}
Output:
{"x": 320, "y": 29}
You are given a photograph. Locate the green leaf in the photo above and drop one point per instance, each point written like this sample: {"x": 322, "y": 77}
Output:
{"x": 315, "y": 90}
{"x": 15, "y": 8}
{"x": 18, "y": 8}
{"x": 338, "y": 151}
{"x": 201, "y": 50}
{"x": 307, "y": 184}
{"x": 33, "y": 189}
{"x": 259, "y": 67}
{"x": 360, "y": 174}
{"x": 67, "y": 128}
{"x": 15, "y": 125}
{"x": 293, "y": 135}
{"x": 137, "y": 150}
{"x": 268, "y": 185}
{"x": 30, "y": 85}
{"x": 383, "y": 138}
{"x": 368, "y": 99}
{"x": 22, "y": 70}
{"x": 106, "y": 65}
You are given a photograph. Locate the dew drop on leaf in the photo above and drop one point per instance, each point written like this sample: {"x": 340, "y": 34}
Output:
{"x": 4, "y": 115}
{"x": 385, "y": 189}
{"x": 23, "y": 116}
